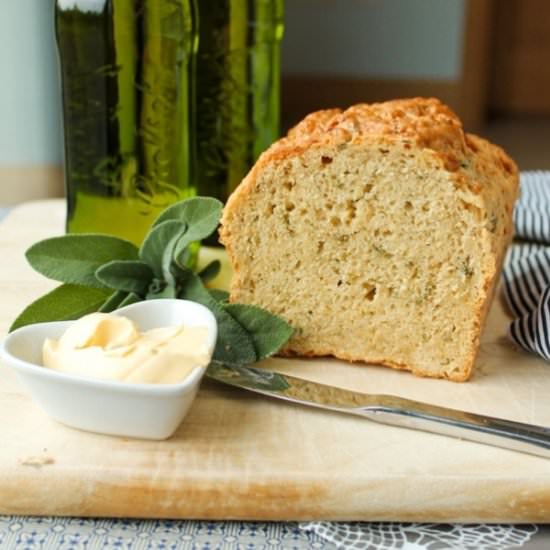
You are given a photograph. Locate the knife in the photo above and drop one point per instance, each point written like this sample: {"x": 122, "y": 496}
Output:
{"x": 388, "y": 409}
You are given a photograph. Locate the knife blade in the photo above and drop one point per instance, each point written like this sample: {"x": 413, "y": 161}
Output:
{"x": 388, "y": 409}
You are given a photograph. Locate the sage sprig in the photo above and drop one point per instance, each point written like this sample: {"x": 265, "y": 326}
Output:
{"x": 104, "y": 273}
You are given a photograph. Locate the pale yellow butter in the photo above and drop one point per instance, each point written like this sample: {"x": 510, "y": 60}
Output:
{"x": 110, "y": 347}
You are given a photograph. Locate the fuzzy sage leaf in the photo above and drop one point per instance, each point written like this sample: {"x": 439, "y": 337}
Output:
{"x": 234, "y": 345}
{"x": 74, "y": 259}
{"x": 219, "y": 295}
{"x": 113, "y": 301}
{"x": 210, "y": 271}
{"x": 168, "y": 257}
{"x": 155, "y": 243}
{"x": 126, "y": 275}
{"x": 201, "y": 215}
{"x": 62, "y": 303}
{"x": 268, "y": 331}
{"x": 167, "y": 291}
{"x": 130, "y": 299}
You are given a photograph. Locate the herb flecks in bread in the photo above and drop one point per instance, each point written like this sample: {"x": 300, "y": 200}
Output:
{"x": 378, "y": 232}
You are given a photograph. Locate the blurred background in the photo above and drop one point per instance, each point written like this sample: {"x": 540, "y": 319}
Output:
{"x": 488, "y": 59}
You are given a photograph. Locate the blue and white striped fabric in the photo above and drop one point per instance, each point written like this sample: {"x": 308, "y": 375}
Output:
{"x": 527, "y": 267}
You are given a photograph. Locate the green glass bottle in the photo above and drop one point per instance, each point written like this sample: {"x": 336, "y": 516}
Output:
{"x": 237, "y": 87}
{"x": 127, "y": 103}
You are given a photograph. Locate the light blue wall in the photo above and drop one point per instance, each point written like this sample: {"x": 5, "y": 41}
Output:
{"x": 374, "y": 38}
{"x": 30, "y": 128}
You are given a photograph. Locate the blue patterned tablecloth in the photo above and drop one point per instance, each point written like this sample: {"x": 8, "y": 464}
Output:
{"x": 28, "y": 533}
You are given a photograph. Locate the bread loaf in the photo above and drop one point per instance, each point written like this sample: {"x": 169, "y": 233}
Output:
{"x": 378, "y": 232}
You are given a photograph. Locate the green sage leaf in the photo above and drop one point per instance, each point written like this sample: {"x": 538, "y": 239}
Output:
{"x": 74, "y": 259}
{"x": 168, "y": 291}
{"x": 168, "y": 257}
{"x": 200, "y": 214}
{"x": 210, "y": 271}
{"x": 156, "y": 286}
{"x": 156, "y": 242}
{"x": 234, "y": 345}
{"x": 113, "y": 301}
{"x": 219, "y": 295}
{"x": 61, "y": 304}
{"x": 130, "y": 299}
{"x": 126, "y": 275}
{"x": 268, "y": 331}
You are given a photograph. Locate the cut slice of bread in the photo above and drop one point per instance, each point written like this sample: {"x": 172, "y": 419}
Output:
{"x": 378, "y": 233}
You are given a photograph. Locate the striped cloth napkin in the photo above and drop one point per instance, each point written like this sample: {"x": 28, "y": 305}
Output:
{"x": 527, "y": 268}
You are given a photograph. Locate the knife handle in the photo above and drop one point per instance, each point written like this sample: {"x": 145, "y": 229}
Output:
{"x": 517, "y": 436}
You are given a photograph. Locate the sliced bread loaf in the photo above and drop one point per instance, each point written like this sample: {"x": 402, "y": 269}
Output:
{"x": 378, "y": 232}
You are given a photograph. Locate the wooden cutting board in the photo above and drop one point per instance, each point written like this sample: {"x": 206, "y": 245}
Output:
{"x": 243, "y": 456}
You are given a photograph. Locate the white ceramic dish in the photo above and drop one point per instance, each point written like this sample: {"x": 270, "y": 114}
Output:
{"x": 149, "y": 411}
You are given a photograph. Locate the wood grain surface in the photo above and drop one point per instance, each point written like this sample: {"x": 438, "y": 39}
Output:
{"x": 243, "y": 456}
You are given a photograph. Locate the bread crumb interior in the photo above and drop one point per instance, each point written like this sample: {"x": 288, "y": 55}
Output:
{"x": 369, "y": 247}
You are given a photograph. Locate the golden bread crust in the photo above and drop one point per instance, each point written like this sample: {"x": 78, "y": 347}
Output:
{"x": 484, "y": 179}
{"x": 424, "y": 123}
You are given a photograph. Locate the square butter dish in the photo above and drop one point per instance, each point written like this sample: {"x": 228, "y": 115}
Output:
{"x": 148, "y": 411}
